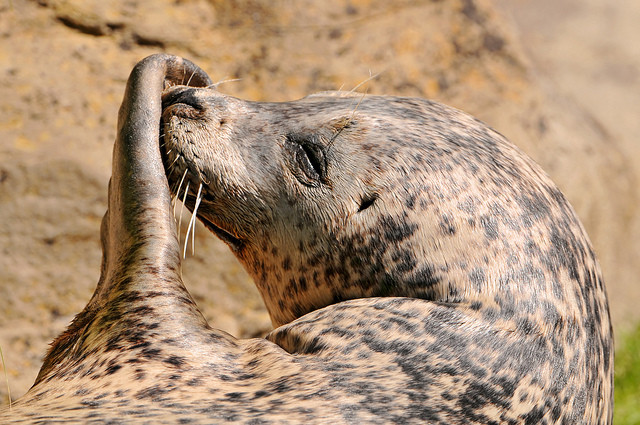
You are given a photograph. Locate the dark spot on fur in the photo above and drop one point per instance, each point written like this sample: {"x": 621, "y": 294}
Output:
{"x": 302, "y": 283}
{"x": 177, "y": 361}
{"x": 141, "y": 310}
{"x": 141, "y": 344}
{"x": 425, "y": 277}
{"x": 477, "y": 277}
{"x": 446, "y": 224}
{"x": 235, "y": 395}
{"x": 113, "y": 368}
{"x": 81, "y": 391}
{"x": 153, "y": 392}
{"x": 396, "y": 229}
{"x": 410, "y": 202}
{"x": 490, "y": 226}
{"x": 91, "y": 403}
{"x": 140, "y": 374}
{"x": 286, "y": 263}
{"x": 280, "y": 386}
{"x": 468, "y": 205}
{"x": 534, "y": 416}
{"x": 151, "y": 353}
{"x": 404, "y": 260}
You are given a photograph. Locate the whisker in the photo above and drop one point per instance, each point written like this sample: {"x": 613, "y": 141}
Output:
{"x": 178, "y": 192}
{"x": 186, "y": 239}
{"x": 195, "y": 214}
{"x": 353, "y": 114}
{"x": 173, "y": 163}
{"x": 202, "y": 179}
{"x": 192, "y": 222}
{"x": 189, "y": 80}
{"x": 184, "y": 200}
{"x": 229, "y": 80}
{"x": 371, "y": 77}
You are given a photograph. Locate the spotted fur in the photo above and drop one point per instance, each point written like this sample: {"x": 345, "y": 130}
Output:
{"x": 419, "y": 269}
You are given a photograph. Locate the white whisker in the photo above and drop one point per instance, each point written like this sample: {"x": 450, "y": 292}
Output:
{"x": 184, "y": 199}
{"x": 173, "y": 163}
{"x": 192, "y": 223}
{"x": 195, "y": 214}
{"x": 230, "y": 80}
{"x": 371, "y": 77}
{"x": 353, "y": 114}
{"x": 178, "y": 192}
{"x": 189, "y": 80}
{"x": 186, "y": 238}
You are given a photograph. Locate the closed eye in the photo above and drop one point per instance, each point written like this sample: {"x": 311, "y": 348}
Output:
{"x": 308, "y": 161}
{"x": 313, "y": 162}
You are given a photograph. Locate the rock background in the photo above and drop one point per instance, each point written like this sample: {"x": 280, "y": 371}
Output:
{"x": 559, "y": 78}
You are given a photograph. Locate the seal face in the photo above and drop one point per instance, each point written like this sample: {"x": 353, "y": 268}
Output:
{"x": 419, "y": 268}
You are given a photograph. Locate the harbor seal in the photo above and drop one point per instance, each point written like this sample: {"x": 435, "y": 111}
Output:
{"x": 417, "y": 266}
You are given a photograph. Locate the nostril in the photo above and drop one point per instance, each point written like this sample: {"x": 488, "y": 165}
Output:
{"x": 181, "y": 95}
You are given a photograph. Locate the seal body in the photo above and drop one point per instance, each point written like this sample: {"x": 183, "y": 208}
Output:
{"x": 418, "y": 267}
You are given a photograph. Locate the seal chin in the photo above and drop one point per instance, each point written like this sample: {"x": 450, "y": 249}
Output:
{"x": 227, "y": 236}
{"x": 234, "y": 242}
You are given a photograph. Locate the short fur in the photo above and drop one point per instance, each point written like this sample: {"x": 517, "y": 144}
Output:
{"x": 419, "y": 268}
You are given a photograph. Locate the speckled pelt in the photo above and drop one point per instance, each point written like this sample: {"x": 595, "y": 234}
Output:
{"x": 417, "y": 266}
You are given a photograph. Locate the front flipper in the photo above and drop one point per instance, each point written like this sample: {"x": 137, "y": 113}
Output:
{"x": 141, "y": 259}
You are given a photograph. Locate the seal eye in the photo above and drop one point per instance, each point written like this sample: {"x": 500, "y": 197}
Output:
{"x": 309, "y": 163}
{"x": 312, "y": 162}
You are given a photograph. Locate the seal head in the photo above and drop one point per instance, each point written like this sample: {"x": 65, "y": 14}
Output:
{"x": 337, "y": 196}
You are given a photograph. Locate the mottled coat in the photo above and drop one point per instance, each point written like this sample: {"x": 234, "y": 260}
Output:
{"x": 418, "y": 267}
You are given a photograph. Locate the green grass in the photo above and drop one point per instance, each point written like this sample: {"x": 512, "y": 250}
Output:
{"x": 627, "y": 380}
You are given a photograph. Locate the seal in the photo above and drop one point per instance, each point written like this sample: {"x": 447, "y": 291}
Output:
{"x": 417, "y": 266}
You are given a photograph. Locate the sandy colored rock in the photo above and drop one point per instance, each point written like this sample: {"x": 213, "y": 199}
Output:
{"x": 64, "y": 63}
{"x": 585, "y": 53}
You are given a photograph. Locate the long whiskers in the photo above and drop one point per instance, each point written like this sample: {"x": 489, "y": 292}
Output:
{"x": 192, "y": 225}
{"x": 371, "y": 77}
{"x": 189, "y": 80}
{"x": 178, "y": 192}
{"x": 353, "y": 113}
{"x": 184, "y": 199}
{"x": 347, "y": 122}
{"x": 172, "y": 163}
{"x": 228, "y": 80}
